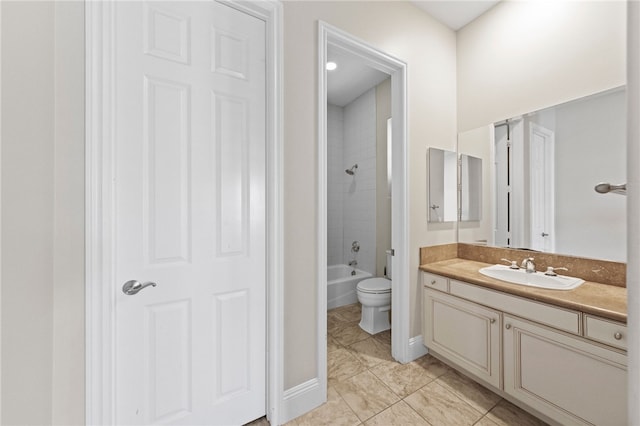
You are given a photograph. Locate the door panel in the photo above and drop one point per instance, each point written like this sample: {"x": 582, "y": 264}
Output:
{"x": 542, "y": 188}
{"x": 190, "y": 213}
{"x": 464, "y": 332}
{"x": 167, "y": 186}
{"x": 571, "y": 380}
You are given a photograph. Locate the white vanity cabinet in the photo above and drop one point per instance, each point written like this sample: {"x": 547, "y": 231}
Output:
{"x": 562, "y": 363}
{"x": 565, "y": 377}
{"x": 464, "y": 332}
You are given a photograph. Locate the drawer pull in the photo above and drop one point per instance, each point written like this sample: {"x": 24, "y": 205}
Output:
{"x": 508, "y": 326}
{"x": 492, "y": 320}
{"x": 617, "y": 336}
{"x": 433, "y": 282}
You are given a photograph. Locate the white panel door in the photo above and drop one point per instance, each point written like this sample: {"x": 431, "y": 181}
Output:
{"x": 190, "y": 213}
{"x": 542, "y": 184}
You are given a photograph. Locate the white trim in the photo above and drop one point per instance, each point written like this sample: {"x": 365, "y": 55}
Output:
{"x": 633, "y": 209}
{"x": 98, "y": 211}
{"x": 298, "y": 399}
{"x": 100, "y": 386}
{"x": 321, "y": 314}
{"x": 400, "y": 305}
{"x": 417, "y": 347}
{"x": 0, "y": 213}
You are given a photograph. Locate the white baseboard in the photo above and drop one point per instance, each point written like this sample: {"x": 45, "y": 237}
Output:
{"x": 417, "y": 348}
{"x": 301, "y": 399}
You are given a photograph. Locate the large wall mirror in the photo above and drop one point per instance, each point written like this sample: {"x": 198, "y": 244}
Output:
{"x": 542, "y": 168}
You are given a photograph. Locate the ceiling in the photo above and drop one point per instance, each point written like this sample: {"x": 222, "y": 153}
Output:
{"x": 455, "y": 13}
{"x": 352, "y": 78}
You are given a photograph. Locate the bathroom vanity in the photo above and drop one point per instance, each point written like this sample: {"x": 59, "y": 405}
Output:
{"x": 561, "y": 354}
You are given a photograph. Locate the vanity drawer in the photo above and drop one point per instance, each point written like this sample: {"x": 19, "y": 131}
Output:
{"x": 605, "y": 331}
{"x": 560, "y": 318}
{"x": 435, "y": 281}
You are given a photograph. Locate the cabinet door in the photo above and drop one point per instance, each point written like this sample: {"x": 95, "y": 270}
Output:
{"x": 464, "y": 333}
{"x": 567, "y": 378}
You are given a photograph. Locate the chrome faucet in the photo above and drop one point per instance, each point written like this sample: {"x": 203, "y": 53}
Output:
{"x": 514, "y": 264}
{"x": 528, "y": 265}
{"x": 353, "y": 263}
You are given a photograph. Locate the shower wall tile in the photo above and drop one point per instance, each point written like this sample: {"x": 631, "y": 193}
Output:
{"x": 359, "y": 217}
{"x": 351, "y": 139}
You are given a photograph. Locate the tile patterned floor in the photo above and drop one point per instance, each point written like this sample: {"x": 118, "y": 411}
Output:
{"x": 366, "y": 387}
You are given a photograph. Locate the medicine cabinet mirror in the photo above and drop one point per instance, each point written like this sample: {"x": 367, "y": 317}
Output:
{"x": 470, "y": 188}
{"x": 443, "y": 194}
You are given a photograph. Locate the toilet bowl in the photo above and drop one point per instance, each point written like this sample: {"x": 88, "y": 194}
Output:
{"x": 375, "y": 296}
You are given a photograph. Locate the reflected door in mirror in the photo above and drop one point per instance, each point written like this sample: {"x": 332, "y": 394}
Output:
{"x": 443, "y": 173}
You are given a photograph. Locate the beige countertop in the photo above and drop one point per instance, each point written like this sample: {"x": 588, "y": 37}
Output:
{"x": 603, "y": 300}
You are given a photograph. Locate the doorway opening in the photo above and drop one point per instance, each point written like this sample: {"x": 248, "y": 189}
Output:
{"x": 345, "y": 170}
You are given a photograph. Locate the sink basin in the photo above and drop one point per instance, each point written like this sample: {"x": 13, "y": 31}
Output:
{"x": 538, "y": 279}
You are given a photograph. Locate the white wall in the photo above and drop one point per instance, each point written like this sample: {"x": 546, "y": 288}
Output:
{"x": 27, "y": 211}
{"x": 428, "y": 47}
{"x": 68, "y": 248}
{"x": 523, "y": 56}
{"x": 43, "y": 213}
{"x": 633, "y": 212}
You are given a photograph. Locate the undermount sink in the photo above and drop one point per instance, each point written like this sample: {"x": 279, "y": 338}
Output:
{"x": 531, "y": 279}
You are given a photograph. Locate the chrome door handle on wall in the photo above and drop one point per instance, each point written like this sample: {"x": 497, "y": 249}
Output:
{"x": 133, "y": 287}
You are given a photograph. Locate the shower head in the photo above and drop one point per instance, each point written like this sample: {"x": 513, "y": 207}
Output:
{"x": 351, "y": 171}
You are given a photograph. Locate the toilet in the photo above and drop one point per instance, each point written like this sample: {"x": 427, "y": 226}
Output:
{"x": 375, "y": 296}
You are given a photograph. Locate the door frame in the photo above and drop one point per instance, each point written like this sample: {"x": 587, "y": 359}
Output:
{"x": 100, "y": 208}
{"x": 400, "y": 298}
{"x": 633, "y": 208}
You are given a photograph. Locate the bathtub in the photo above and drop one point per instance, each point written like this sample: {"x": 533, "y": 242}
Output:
{"x": 341, "y": 285}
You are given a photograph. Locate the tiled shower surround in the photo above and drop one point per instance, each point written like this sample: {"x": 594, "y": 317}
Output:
{"x": 351, "y": 139}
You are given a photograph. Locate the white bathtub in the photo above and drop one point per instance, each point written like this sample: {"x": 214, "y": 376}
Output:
{"x": 341, "y": 285}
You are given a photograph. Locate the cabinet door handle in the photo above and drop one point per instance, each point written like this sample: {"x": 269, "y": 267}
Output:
{"x": 508, "y": 326}
{"x": 492, "y": 320}
{"x": 617, "y": 336}
{"x": 433, "y": 282}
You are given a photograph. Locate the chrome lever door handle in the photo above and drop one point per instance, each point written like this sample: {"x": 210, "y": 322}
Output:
{"x": 133, "y": 287}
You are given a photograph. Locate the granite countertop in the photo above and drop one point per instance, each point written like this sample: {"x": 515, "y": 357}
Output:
{"x": 603, "y": 300}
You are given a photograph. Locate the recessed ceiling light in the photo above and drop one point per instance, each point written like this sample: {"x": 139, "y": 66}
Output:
{"x": 331, "y": 66}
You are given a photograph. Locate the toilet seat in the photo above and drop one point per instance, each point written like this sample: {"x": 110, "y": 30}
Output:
{"x": 374, "y": 286}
